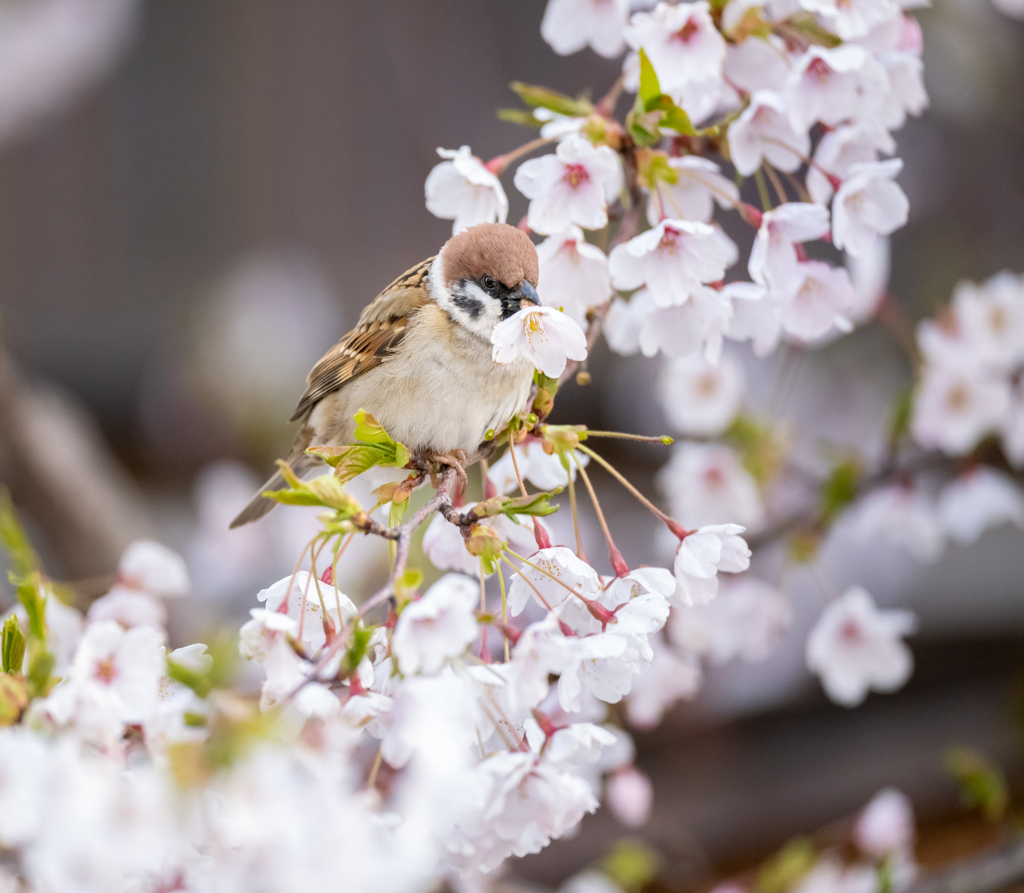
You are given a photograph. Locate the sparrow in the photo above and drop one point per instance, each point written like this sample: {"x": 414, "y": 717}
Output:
{"x": 420, "y": 361}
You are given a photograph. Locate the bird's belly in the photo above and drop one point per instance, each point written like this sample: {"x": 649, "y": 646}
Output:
{"x": 441, "y": 405}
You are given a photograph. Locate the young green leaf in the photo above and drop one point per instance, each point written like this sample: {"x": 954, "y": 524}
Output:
{"x": 13, "y": 539}
{"x": 544, "y": 97}
{"x": 12, "y": 646}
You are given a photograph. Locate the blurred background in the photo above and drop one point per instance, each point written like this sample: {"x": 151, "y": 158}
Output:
{"x": 197, "y": 200}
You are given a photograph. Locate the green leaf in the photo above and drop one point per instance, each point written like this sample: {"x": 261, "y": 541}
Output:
{"x": 519, "y": 116}
{"x": 40, "y": 669}
{"x": 13, "y": 539}
{"x": 840, "y": 488}
{"x": 536, "y": 504}
{"x": 408, "y": 583}
{"x": 376, "y": 448}
{"x": 982, "y": 783}
{"x": 215, "y": 669}
{"x": 544, "y": 97}
{"x": 631, "y": 864}
{"x": 357, "y": 650}
{"x": 650, "y": 90}
{"x": 784, "y": 870}
{"x": 30, "y": 592}
{"x": 12, "y": 646}
{"x": 14, "y": 698}
{"x": 327, "y": 491}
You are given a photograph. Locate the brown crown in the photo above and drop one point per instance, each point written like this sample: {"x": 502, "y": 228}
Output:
{"x": 491, "y": 249}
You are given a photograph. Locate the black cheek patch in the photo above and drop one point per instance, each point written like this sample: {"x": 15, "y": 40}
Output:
{"x": 469, "y": 305}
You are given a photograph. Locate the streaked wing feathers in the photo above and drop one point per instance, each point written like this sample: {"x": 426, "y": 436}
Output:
{"x": 382, "y": 325}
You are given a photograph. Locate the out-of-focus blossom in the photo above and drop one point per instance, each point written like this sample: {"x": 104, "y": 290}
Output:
{"x": 854, "y": 647}
{"x": 991, "y": 319}
{"x": 570, "y": 25}
{"x": 840, "y": 149}
{"x": 707, "y": 484}
{"x": 901, "y": 516}
{"x": 590, "y": 882}
{"x": 853, "y": 19}
{"x": 543, "y": 335}
{"x": 978, "y": 500}
{"x": 463, "y": 190}
{"x": 747, "y": 619}
{"x": 153, "y": 568}
{"x": 773, "y": 259}
{"x": 700, "y": 399}
{"x": 818, "y": 302}
{"x": 867, "y": 205}
{"x": 671, "y": 676}
{"x": 758, "y": 64}
{"x": 956, "y": 405}
{"x": 671, "y": 260}
{"x": 869, "y": 276}
{"x": 699, "y": 186}
{"x": 571, "y": 187}
{"x": 436, "y": 627}
{"x": 630, "y": 796}
{"x": 764, "y": 133}
{"x": 830, "y": 876}
{"x": 886, "y": 824}
{"x": 573, "y": 274}
{"x": 829, "y": 85}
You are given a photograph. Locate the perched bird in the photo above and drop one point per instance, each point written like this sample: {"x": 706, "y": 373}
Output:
{"x": 420, "y": 359}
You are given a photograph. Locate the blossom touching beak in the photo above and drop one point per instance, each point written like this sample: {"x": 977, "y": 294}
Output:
{"x": 527, "y": 295}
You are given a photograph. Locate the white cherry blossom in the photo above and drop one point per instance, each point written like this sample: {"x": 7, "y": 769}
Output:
{"x": 702, "y": 554}
{"x": 754, "y": 318}
{"x": 544, "y": 471}
{"x": 682, "y": 329}
{"x": 840, "y": 149}
{"x": 854, "y": 648}
{"x": 886, "y": 824}
{"x": 130, "y": 608}
{"x": 630, "y": 796}
{"x": 307, "y": 598}
{"x": 828, "y": 85}
{"x": 463, "y": 190}
{"x": 764, "y": 132}
{"x": 436, "y": 627}
{"x": 773, "y": 259}
{"x": 681, "y": 41}
{"x": 757, "y": 63}
{"x": 570, "y": 25}
{"x": 956, "y": 405}
{"x": 699, "y": 186}
{"x": 991, "y": 319}
{"x": 571, "y": 187}
{"x": 561, "y": 573}
{"x": 148, "y": 566}
{"x": 573, "y": 274}
{"x": 671, "y": 259}
{"x": 543, "y": 335}
{"x": 851, "y": 18}
{"x": 672, "y": 675}
{"x": 980, "y": 499}
{"x": 707, "y": 484}
{"x": 818, "y": 303}
{"x": 901, "y": 516}
{"x": 700, "y": 399}
{"x": 868, "y": 204}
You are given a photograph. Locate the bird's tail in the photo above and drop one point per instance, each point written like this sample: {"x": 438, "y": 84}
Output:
{"x": 260, "y": 505}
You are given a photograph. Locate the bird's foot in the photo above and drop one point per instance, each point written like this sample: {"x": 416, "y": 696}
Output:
{"x": 454, "y": 459}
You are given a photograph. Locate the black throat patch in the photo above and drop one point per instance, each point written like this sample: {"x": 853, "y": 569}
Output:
{"x": 469, "y": 305}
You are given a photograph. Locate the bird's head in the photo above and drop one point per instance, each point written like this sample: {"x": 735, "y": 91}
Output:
{"x": 483, "y": 275}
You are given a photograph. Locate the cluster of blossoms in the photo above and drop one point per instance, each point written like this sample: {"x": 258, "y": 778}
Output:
{"x": 473, "y": 722}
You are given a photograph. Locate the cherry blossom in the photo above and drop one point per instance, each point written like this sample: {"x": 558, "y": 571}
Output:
{"x": 682, "y": 329}
{"x": 991, "y": 319}
{"x": 867, "y": 205}
{"x": 818, "y": 303}
{"x": 573, "y": 274}
{"x": 851, "y": 19}
{"x": 153, "y": 568}
{"x": 773, "y": 259}
{"x": 630, "y": 796}
{"x": 671, "y": 260}
{"x": 956, "y": 405}
{"x": 757, "y": 64}
{"x": 570, "y": 25}
{"x": 571, "y": 187}
{"x": 840, "y": 149}
{"x": 747, "y": 619}
{"x": 698, "y": 187}
{"x": 671, "y": 676}
{"x": 700, "y": 399}
{"x": 436, "y": 627}
{"x": 902, "y": 516}
{"x": 463, "y": 190}
{"x": 545, "y": 471}
{"x": 828, "y": 85}
{"x": 886, "y": 824}
{"x": 854, "y": 647}
{"x": 543, "y": 335}
{"x": 304, "y": 598}
{"x": 978, "y": 500}
{"x": 707, "y": 484}
{"x": 681, "y": 41}
{"x": 560, "y": 574}
{"x": 763, "y": 132}
{"x": 702, "y": 554}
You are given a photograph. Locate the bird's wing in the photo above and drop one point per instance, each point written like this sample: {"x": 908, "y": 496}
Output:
{"x": 382, "y": 325}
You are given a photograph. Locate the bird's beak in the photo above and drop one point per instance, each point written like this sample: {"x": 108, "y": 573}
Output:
{"x": 527, "y": 295}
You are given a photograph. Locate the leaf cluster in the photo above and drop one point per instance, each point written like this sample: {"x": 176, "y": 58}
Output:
{"x": 375, "y": 448}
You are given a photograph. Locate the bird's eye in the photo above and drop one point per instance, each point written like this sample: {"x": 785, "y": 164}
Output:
{"x": 489, "y": 283}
